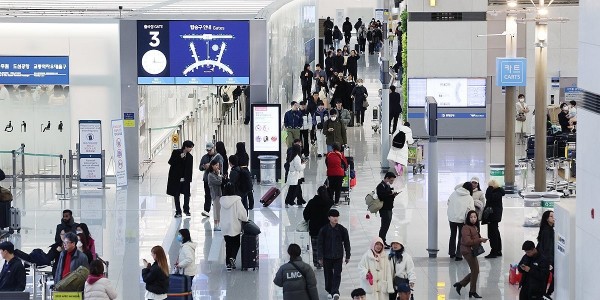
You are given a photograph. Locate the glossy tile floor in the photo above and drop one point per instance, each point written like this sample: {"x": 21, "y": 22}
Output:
{"x": 126, "y": 223}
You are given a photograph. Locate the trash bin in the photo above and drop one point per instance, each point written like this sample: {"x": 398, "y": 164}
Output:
{"x": 497, "y": 173}
{"x": 532, "y": 209}
{"x": 267, "y": 169}
{"x": 549, "y": 200}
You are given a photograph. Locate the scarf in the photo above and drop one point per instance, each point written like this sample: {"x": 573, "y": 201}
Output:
{"x": 93, "y": 278}
{"x": 397, "y": 255}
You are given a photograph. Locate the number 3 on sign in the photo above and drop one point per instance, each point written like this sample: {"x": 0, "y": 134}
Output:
{"x": 154, "y": 37}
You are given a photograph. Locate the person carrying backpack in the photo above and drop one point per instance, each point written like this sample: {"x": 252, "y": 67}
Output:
{"x": 398, "y": 155}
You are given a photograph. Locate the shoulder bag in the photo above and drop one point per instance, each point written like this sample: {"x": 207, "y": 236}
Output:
{"x": 398, "y": 281}
{"x": 305, "y": 279}
{"x": 485, "y": 216}
{"x": 477, "y": 250}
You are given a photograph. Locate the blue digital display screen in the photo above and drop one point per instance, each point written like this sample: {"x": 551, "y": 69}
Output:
{"x": 193, "y": 52}
{"x": 34, "y": 70}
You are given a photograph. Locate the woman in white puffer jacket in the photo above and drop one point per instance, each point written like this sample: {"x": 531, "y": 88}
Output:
{"x": 98, "y": 287}
{"x": 187, "y": 255}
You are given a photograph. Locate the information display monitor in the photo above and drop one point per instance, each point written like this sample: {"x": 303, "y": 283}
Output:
{"x": 448, "y": 92}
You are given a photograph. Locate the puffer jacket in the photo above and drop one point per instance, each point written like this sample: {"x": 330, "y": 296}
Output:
{"x": 494, "y": 200}
{"x": 296, "y": 171}
{"x": 187, "y": 258}
{"x": 459, "y": 204}
{"x": 360, "y": 94}
{"x": 295, "y": 285}
{"x": 381, "y": 269}
{"x": 470, "y": 239}
{"x": 78, "y": 259}
{"x": 334, "y": 162}
{"x": 99, "y": 289}
{"x": 232, "y": 215}
{"x": 315, "y": 213}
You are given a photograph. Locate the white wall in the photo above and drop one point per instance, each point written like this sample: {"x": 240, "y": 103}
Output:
{"x": 93, "y": 51}
{"x": 353, "y": 9}
{"x": 588, "y": 228}
{"x": 447, "y": 6}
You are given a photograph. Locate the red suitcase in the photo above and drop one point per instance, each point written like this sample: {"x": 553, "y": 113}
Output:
{"x": 270, "y": 196}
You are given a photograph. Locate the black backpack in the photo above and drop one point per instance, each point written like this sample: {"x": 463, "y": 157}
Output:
{"x": 399, "y": 140}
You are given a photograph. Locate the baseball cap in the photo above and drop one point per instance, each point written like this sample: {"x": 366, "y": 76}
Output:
{"x": 334, "y": 213}
{"x": 210, "y": 146}
{"x": 8, "y": 246}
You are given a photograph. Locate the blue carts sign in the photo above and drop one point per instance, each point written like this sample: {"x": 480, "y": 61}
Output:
{"x": 511, "y": 71}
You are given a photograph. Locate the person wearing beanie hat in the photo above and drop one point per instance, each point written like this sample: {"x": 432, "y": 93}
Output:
{"x": 375, "y": 272}
{"x": 13, "y": 276}
{"x": 334, "y": 130}
{"x": 403, "y": 267}
{"x": 333, "y": 241}
{"x": 535, "y": 270}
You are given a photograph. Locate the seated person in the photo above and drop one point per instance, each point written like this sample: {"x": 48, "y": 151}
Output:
{"x": 70, "y": 259}
{"x": 12, "y": 277}
{"x": 67, "y": 224}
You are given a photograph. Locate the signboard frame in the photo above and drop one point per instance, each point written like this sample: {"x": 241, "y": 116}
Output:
{"x": 119, "y": 152}
{"x": 90, "y": 153}
{"x": 254, "y": 161}
{"x": 34, "y": 70}
{"x": 505, "y": 66}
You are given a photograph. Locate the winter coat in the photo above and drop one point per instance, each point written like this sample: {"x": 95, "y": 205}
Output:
{"x": 214, "y": 183}
{"x": 296, "y": 171}
{"x": 494, "y": 200}
{"x": 242, "y": 155}
{"x": 357, "y": 24}
{"x": 156, "y": 280}
{"x": 360, "y": 95}
{"x": 347, "y": 28}
{"x": 233, "y": 214}
{"x": 295, "y": 285}
{"x": 333, "y": 242}
{"x": 70, "y": 226}
{"x": 546, "y": 244}
{"x": 385, "y": 194}
{"x": 381, "y": 269}
{"x": 15, "y": 278}
{"x": 320, "y": 116}
{"x": 459, "y": 203}
{"x": 337, "y": 135}
{"x": 78, "y": 259}
{"x": 328, "y": 36}
{"x": 292, "y": 119}
{"x": 334, "y": 161}
{"x": 328, "y": 24}
{"x": 338, "y": 63}
{"x": 187, "y": 258}
{"x": 398, "y": 155}
{"x": 206, "y": 159}
{"x": 535, "y": 281}
{"x": 180, "y": 168}
{"x": 470, "y": 239}
{"x": 337, "y": 34}
{"x": 316, "y": 213}
{"x": 306, "y": 120}
{"x": 344, "y": 116}
{"x": 395, "y": 104}
{"x": 306, "y": 81}
{"x": 101, "y": 289}
{"x": 352, "y": 62}
{"x": 241, "y": 179}
{"x": 479, "y": 202}
{"x": 405, "y": 268}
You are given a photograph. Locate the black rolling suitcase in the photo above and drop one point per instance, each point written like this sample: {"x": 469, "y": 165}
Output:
{"x": 249, "y": 252}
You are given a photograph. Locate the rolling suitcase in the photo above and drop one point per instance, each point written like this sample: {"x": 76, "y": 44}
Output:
{"x": 357, "y": 48}
{"x": 15, "y": 219}
{"x": 270, "y": 196}
{"x": 249, "y": 252}
{"x": 180, "y": 287}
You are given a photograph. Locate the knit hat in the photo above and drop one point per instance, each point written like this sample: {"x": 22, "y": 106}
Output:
{"x": 475, "y": 179}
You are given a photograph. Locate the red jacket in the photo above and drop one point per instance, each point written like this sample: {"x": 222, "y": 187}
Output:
{"x": 334, "y": 162}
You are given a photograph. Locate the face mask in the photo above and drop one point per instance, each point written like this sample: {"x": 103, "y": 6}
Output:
{"x": 79, "y": 244}
{"x": 521, "y": 99}
{"x": 179, "y": 238}
{"x": 79, "y": 231}
{"x": 333, "y": 118}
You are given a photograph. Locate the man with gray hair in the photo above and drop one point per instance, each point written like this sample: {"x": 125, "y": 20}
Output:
{"x": 70, "y": 258}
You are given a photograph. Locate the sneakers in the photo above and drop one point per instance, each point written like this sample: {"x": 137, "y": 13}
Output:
{"x": 228, "y": 268}
{"x": 458, "y": 258}
{"x": 491, "y": 255}
{"x": 177, "y": 215}
{"x": 319, "y": 155}
{"x": 287, "y": 205}
{"x": 217, "y": 228}
{"x": 329, "y": 297}
{"x": 336, "y": 296}
{"x": 205, "y": 214}
{"x": 232, "y": 263}
{"x": 188, "y": 214}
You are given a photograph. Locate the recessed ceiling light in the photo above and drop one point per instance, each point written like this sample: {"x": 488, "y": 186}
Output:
{"x": 512, "y": 3}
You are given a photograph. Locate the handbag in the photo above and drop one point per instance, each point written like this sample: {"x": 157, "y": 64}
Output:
{"x": 478, "y": 250}
{"x": 302, "y": 226}
{"x": 485, "y": 216}
{"x": 521, "y": 117}
{"x": 250, "y": 228}
{"x": 365, "y": 103}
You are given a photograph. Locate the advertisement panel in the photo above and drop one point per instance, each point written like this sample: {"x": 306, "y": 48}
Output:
{"x": 266, "y": 128}
{"x": 448, "y": 92}
{"x": 120, "y": 158}
{"x": 90, "y": 153}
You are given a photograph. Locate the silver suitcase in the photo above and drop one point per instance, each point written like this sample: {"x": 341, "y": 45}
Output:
{"x": 15, "y": 219}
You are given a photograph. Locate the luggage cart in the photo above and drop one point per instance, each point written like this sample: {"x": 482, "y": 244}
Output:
{"x": 415, "y": 157}
{"x": 346, "y": 189}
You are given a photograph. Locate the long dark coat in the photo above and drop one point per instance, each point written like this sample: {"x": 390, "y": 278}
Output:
{"x": 180, "y": 168}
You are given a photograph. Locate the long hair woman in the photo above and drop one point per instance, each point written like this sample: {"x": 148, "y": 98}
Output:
{"x": 83, "y": 228}
{"x": 470, "y": 240}
{"x": 295, "y": 174}
{"x": 220, "y": 148}
{"x": 546, "y": 243}
{"x": 156, "y": 275}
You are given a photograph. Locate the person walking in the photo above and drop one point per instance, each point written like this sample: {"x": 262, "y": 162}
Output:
{"x": 317, "y": 74}
{"x": 337, "y": 37}
{"x": 358, "y": 24}
{"x": 375, "y": 272}
{"x": 470, "y": 239}
{"x": 328, "y": 23}
{"x": 359, "y": 94}
{"x": 296, "y": 277}
{"x": 386, "y": 193}
{"x": 546, "y": 244}
{"x": 186, "y": 261}
{"x": 343, "y": 113}
{"x": 460, "y": 202}
{"x": 292, "y": 122}
{"x": 347, "y": 29}
{"x": 244, "y": 164}
{"x": 336, "y": 170}
{"x": 295, "y": 175}
{"x": 521, "y": 119}
{"x": 334, "y": 130}
{"x": 210, "y": 156}
{"x": 398, "y": 157}
{"x": 535, "y": 270}
{"x": 362, "y": 38}
{"x": 333, "y": 241}
{"x": 306, "y": 78}
{"x": 395, "y": 108}
{"x": 180, "y": 177}
{"x": 319, "y": 119}
{"x": 352, "y": 64}
{"x": 233, "y": 214}
{"x": 305, "y": 129}
{"x": 156, "y": 275}
{"x": 493, "y": 195}
{"x": 403, "y": 267}
{"x": 315, "y": 213}
{"x": 328, "y": 34}
{"x": 98, "y": 287}
{"x": 215, "y": 180}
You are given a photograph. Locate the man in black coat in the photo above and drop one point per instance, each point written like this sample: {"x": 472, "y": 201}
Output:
{"x": 180, "y": 177}
{"x": 357, "y": 25}
{"x": 347, "y": 29}
{"x": 352, "y": 64}
{"x": 67, "y": 223}
{"x": 395, "y": 108}
{"x": 535, "y": 270}
{"x": 12, "y": 276}
{"x": 328, "y": 23}
{"x": 386, "y": 193}
{"x": 306, "y": 78}
{"x": 338, "y": 62}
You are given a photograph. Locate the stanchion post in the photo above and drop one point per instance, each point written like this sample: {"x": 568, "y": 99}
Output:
{"x": 14, "y": 165}
{"x": 23, "y": 162}
{"x": 77, "y": 160}
{"x": 149, "y": 144}
{"x": 61, "y": 175}
{"x": 70, "y": 169}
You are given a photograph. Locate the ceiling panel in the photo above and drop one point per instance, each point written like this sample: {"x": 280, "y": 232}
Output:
{"x": 528, "y": 2}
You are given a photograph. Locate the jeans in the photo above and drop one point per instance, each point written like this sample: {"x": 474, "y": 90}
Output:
{"x": 305, "y": 144}
{"x": 314, "y": 243}
{"x": 335, "y": 187}
{"x": 207, "y": 198}
{"x": 333, "y": 275}
{"x": 386, "y": 221}
{"x": 294, "y": 192}
{"x": 471, "y": 278}
{"x": 453, "y": 244}
{"x": 495, "y": 239}
{"x": 232, "y": 246}
{"x": 329, "y": 148}
{"x": 306, "y": 91}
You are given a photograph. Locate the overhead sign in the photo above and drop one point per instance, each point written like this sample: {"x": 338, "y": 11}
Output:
{"x": 266, "y": 130}
{"x": 34, "y": 70}
{"x": 90, "y": 153}
{"x": 193, "y": 52}
{"x": 119, "y": 154}
{"x": 511, "y": 71}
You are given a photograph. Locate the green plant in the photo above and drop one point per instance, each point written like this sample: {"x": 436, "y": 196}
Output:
{"x": 404, "y": 18}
